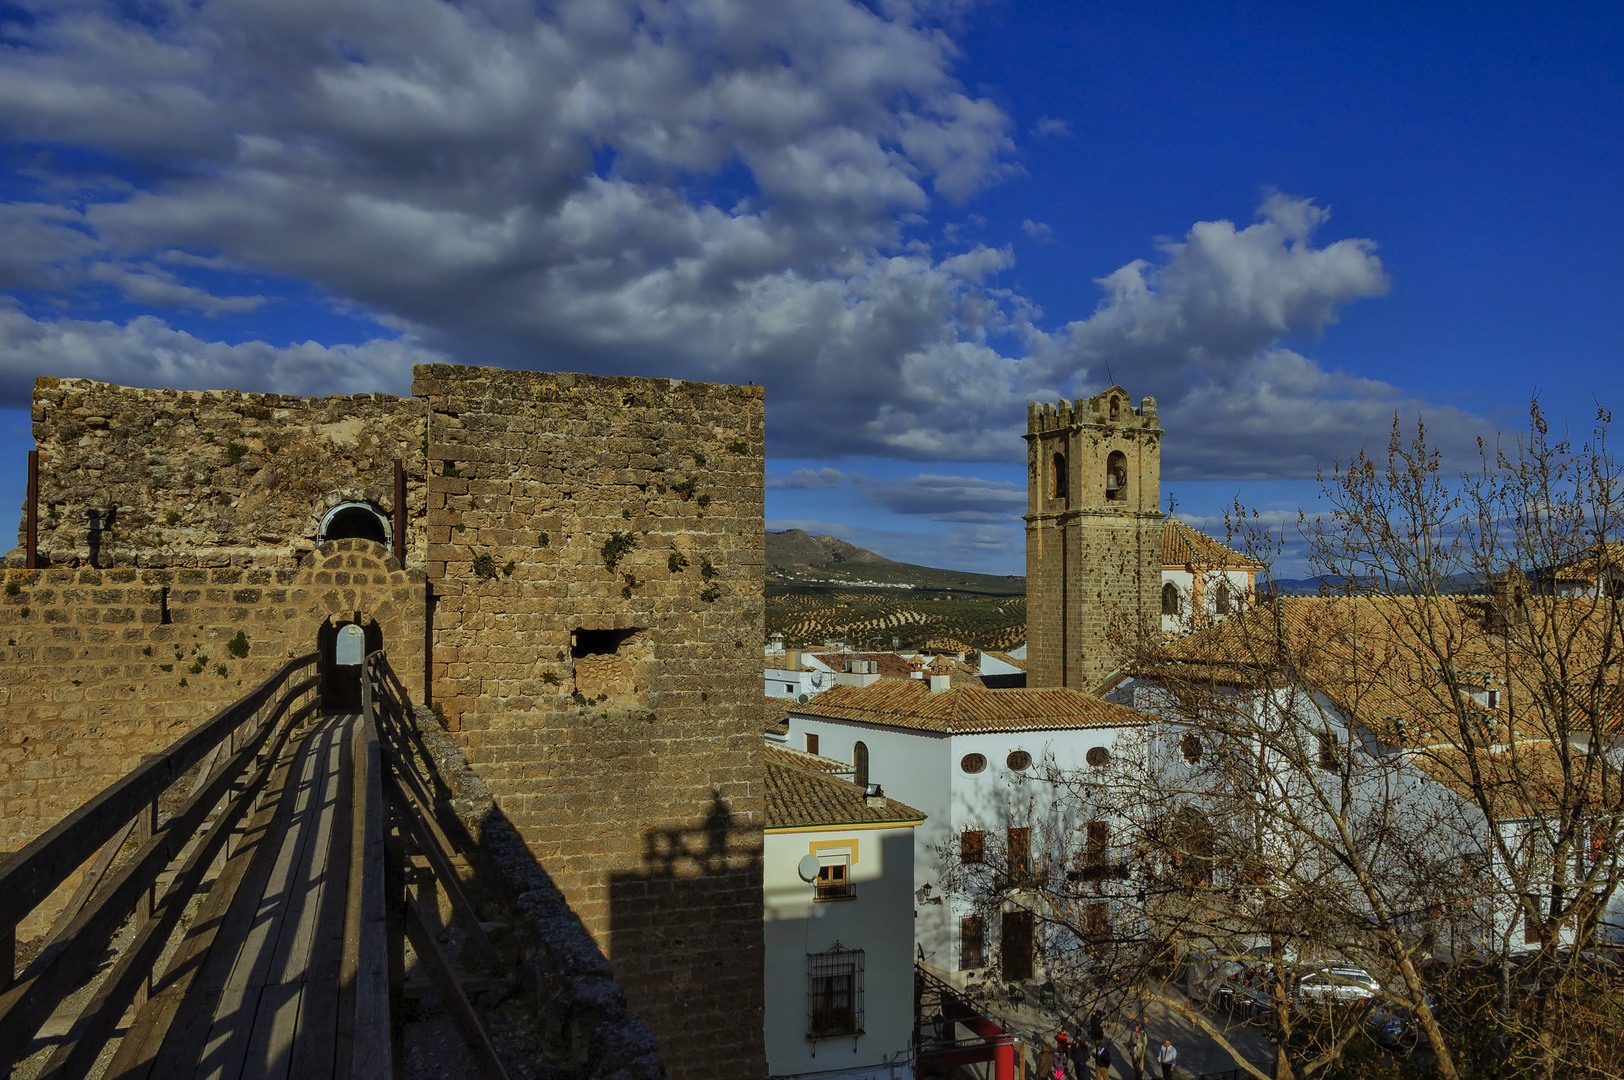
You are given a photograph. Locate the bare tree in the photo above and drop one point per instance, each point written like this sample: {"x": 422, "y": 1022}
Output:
{"x": 1416, "y": 776}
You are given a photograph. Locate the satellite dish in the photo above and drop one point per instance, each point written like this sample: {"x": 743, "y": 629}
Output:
{"x": 808, "y": 869}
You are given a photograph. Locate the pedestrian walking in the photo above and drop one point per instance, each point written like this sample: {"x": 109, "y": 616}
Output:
{"x": 1096, "y": 1028}
{"x": 1045, "y": 1062}
{"x": 1167, "y": 1057}
{"x": 1102, "y": 1061}
{"x": 1138, "y": 1047}
{"x": 1062, "y": 1051}
{"x": 1079, "y": 1059}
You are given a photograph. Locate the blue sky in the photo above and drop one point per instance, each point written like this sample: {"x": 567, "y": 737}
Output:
{"x": 1286, "y": 222}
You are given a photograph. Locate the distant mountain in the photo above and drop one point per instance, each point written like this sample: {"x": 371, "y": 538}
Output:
{"x": 796, "y": 558}
{"x": 794, "y": 547}
{"x": 1462, "y": 584}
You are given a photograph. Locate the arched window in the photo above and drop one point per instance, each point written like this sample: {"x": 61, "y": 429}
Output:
{"x": 1116, "y": 409}
{"x": 859, "y": 760}
{"x": 1170, "y": 599}
{"x": 1062, "y": 485}
{"x": 1220, "y": 599}
{"x": 1116, "y": 476}
{"x": 354, "y": 521}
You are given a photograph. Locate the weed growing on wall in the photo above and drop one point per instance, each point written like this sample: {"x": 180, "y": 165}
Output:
{"x": 235, "y": 452}
{"x": 686, "y": 489}
{"x": 485, "y": 566}
{"x": 616, "y": 548}
{"x": 238, "y": 646}
{"x": 677, "y": 561}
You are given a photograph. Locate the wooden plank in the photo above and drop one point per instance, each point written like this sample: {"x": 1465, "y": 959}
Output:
{"x": 302, "y": 902}
{"x": 316, "y": 1044}
{"x": 28, "y": 876}
{"x": 230, "y": 1038}
{"x": 276, "y": 1019}
{"x": 370, "y": 1056}
{"x": 185, "y": 1044}
{"x": 456, "y": 1002}
{"x": 132, "y": 971}
{"x": 139, "y": 1049}
{"x": 59, "y": 967}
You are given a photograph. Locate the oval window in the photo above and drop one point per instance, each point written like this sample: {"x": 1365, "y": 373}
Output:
{"x": 1019, "y": 760}
{"x": 973, "y": 763}
{"x": 1190, "y": 747}
{"x": 1098, "y": 756}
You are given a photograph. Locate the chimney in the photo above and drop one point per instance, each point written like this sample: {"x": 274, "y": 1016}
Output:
{"x": 874, "y": 795}
{"x": 938, "y": 683}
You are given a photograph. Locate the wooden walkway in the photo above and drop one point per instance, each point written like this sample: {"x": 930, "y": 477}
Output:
{"x": 266, "y": 918}
{"x": 253, "y": 989}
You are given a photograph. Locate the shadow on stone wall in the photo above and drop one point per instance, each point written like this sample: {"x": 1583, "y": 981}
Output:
{"x": 585, "y": 1028}
{"x": 685, "y": 933}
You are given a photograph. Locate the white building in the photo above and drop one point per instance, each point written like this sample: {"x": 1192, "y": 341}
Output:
{"x": 1203, "y": 581}
{"x": 838, "y": 885}
{"x": 1364, "y": 705}
{"x": 970, "y": 758}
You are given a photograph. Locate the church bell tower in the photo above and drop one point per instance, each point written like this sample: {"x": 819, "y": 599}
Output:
{"x": 1093, "y": 535}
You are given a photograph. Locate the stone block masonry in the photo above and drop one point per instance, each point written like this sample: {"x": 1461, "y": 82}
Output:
{"x": 597, "y": 556}
{"x": 580, "y": 595}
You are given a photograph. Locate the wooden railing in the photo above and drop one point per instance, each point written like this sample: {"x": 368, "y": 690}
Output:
{"x": 235, "y": 751}
{"x": 421, "y": 858}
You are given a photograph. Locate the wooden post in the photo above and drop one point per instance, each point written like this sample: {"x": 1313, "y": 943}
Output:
{"x": 31, "y": 551}
{"x": 400, "y": 513}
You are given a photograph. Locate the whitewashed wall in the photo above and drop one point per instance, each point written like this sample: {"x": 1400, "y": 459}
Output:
{"x": 879, "y": 921}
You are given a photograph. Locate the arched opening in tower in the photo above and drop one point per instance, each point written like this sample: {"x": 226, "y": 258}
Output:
{"x": 1116, "y": 476}
{"x": 355, "y": 522}
{"x": 1062, "y": 487}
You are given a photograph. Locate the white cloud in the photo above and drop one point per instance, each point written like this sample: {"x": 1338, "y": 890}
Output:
{"x": 717, "y": 189}
{"x": 808, "y": 479}
{"x": 1037, "y": 230}
{"x": 953, "y": 498}
{"x": 146, "y": 352}
{"x": 1051, "y": 126}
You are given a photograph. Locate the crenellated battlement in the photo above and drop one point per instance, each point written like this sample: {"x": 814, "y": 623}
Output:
{"x": 1044, "y": 417}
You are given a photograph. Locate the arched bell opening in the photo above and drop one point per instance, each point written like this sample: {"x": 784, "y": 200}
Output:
{"x": 355, "y": 521}
{"x": 343, "y": 645}
{"x": 1116, "y": 477}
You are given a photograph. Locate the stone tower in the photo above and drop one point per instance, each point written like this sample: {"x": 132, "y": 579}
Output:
{"x": 1093, "y": 535}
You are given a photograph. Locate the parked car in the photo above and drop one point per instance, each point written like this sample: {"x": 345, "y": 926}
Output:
{"x": 1337, "y": 984}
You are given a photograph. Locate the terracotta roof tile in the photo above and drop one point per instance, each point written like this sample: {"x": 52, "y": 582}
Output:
{"x": 775, "y": 716}
{"x": 1183, "y": 546}
{"x": 968, "y": 709}
{"x": 799, "y": 796}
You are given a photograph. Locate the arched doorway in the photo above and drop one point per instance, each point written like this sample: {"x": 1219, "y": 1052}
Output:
{"x": 338, "y": 645}
{"x": 354, "y": 521}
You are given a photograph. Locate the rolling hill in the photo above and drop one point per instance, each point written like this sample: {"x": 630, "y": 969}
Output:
{"x": 821, "y": 588}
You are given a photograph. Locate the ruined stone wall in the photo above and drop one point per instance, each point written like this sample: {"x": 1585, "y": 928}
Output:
{"x": 1093, "y": 556}
{"x": 596, "y": 554}
{"x": 211, "y": 477}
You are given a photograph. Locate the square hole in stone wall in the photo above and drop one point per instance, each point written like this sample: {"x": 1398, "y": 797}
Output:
{"x": 612, "y": 667}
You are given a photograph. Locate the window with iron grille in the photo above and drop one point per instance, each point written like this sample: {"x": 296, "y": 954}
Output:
{"x": 834, "y": 883}
{"x": 834, "y": 997}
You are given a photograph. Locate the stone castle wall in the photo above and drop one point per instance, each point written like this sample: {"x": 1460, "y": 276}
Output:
{"x": 597, "y": 555}
{"x": 210, "y": 477}
{"x": 1093, "y": 562}
{"x": 581, "y": 596}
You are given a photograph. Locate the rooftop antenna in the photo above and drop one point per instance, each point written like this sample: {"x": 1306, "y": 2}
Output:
{"x": 1110, "y": 378}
